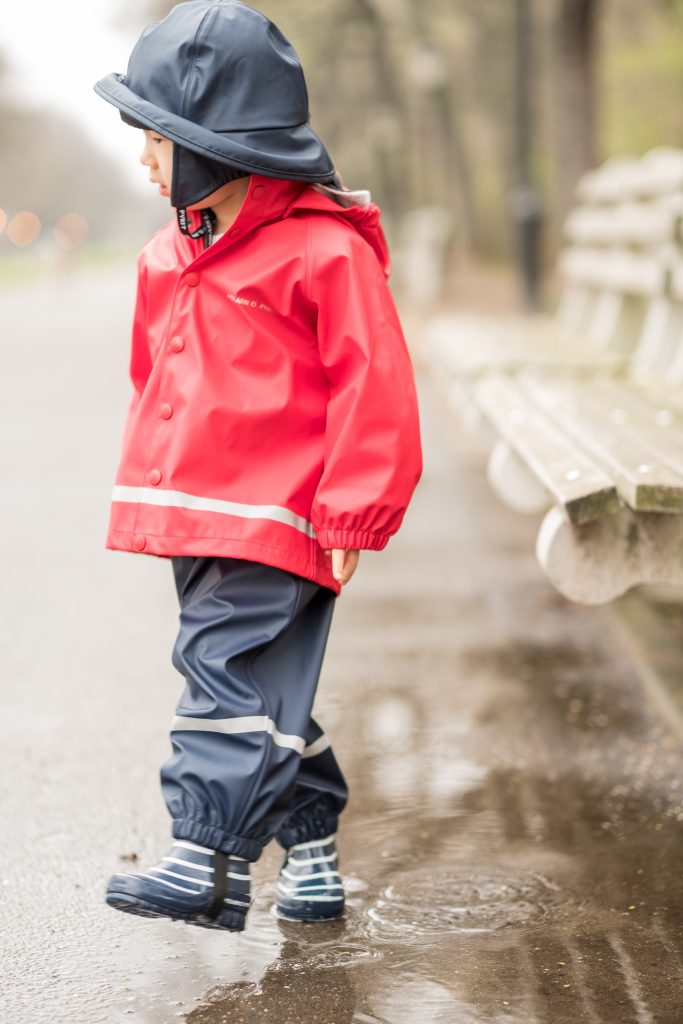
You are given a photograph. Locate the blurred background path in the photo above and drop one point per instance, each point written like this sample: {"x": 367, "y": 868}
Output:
{"x": 512, "y": 846}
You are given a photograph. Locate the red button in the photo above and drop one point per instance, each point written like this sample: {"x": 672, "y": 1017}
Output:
{"x": 165, "y": 411}
{"x": 176, "y": 344}
{"x": 192, "y": 279}
{"x": 234, "y": 231}
{"x": 139, "y": 542}
{"x": 257, "y": 191}
{"x": 154, "y": 476}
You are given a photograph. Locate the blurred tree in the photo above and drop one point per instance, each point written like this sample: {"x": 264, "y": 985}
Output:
{"x": 387, "y": 105}
{"x": 524, "y": 200}
{"x": 640, "y": 75}
{"x": 437, "y": 82}
{"x": 576, "y": 31}
{"x": 49, "y": 166}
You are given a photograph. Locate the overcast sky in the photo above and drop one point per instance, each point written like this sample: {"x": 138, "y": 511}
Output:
{"x": 57, "y": 49}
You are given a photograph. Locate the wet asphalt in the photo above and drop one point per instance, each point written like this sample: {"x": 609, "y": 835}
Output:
{"x": 512, "y": 847}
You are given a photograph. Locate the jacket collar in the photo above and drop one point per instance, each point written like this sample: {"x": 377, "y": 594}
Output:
{"x": 267, "y": 199}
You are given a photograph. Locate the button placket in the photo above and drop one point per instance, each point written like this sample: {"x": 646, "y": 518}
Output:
{"x": 153, "y": 476}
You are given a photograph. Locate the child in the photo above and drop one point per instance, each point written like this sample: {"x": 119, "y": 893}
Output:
{"x": 272, "y": 434}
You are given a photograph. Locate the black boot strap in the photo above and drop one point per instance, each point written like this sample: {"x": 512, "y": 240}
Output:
{"x": 220, "y": 880}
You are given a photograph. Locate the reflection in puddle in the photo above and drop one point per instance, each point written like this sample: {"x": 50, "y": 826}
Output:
{"x": 286, "y": 992}
{"x": 409, "y": 761}
{"x": 419, "y": 999}
{"x": 411, "y": 1000}
{"x": 332, "y": 955}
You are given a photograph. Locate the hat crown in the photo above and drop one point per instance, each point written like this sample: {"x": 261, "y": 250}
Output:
{"x": 221, "y": 65}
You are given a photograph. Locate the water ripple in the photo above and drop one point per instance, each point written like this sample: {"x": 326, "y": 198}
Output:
{"x": 456, "y": 902}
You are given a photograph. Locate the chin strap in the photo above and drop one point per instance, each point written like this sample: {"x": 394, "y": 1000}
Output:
{"x": 206, "y": 229}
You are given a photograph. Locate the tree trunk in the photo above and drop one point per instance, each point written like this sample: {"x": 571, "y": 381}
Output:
{"x": 576, "y": 113}
{"x": 388, "y": 156}
{"x": 447, "y": 146}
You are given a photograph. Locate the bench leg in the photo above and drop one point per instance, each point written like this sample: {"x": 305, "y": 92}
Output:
{"x": 513, "y": 482}
{"x": 598, "y": 561}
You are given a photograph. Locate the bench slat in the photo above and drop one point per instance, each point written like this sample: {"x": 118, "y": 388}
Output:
{"x": 472, "y": 345}
{"x": 630, "y": 224}
{"x": 575, "y": 481}
{"x": 616, "y": 270}
{"x": 642, "y": 477}
{"x": 660, "y": 426}
{"x": 662, "y": 397}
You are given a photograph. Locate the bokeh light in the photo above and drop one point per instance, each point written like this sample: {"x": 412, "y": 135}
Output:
{"x": 23, "y": 228}
{"x": 3, "y": 221}
{"x": 71, "y": 230}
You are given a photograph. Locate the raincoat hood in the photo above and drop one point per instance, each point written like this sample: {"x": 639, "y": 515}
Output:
{"x": 221, "y": 80}
{"x": 356, "y": 208}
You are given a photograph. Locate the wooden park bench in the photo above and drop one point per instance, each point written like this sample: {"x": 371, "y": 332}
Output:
{"x": 614, "y": 269}
{"x": 597, "y": 446}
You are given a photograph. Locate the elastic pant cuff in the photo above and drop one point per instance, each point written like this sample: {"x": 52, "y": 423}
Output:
{"x": 305, "y": 830}
{"x": 216, "y": 839}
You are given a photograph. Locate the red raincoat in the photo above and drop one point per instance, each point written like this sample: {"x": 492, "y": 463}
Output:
{"x": 274, "y": 411}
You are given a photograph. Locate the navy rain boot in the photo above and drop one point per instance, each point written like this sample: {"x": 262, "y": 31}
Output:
{"x": 192, "y": 884}
{"x": 309, "y": 884}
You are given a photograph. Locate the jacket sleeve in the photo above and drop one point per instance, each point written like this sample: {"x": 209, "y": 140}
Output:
{"x": 373, "y": 458}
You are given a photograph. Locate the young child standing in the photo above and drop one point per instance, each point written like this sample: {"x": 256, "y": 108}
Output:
{"x": 272, "y": 434}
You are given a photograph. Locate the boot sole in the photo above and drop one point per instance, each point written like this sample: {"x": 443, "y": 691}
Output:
{"x": 227, "y": 920}
{"x": 282, "y": 916}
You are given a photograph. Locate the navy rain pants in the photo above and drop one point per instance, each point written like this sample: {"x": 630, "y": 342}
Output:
{"x": 249, "y": 764}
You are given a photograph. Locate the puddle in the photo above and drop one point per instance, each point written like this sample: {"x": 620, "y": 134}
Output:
{"x": 441, "y": 903}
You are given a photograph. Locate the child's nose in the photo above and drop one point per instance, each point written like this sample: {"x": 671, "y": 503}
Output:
{"x": 147, "y": 157}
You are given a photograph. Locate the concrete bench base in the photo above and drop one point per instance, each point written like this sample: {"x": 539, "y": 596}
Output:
{"x": 598, "y": 561}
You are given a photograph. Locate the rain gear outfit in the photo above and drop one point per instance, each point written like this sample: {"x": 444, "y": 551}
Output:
{"x": 273, "y": 416}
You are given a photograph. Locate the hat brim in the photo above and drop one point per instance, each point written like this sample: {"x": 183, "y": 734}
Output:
{"x": 293, "y": 152}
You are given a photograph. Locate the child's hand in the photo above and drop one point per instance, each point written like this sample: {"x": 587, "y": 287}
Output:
{"x": 343, "y": 564}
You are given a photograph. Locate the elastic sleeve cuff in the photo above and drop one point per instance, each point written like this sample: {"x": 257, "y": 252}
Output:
{"x": 352, "y": 540}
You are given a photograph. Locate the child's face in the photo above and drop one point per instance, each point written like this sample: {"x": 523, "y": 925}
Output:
{"x": 158, "y": 156}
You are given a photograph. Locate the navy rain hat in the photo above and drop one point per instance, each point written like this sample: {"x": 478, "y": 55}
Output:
{"x": 221, "y": 80}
